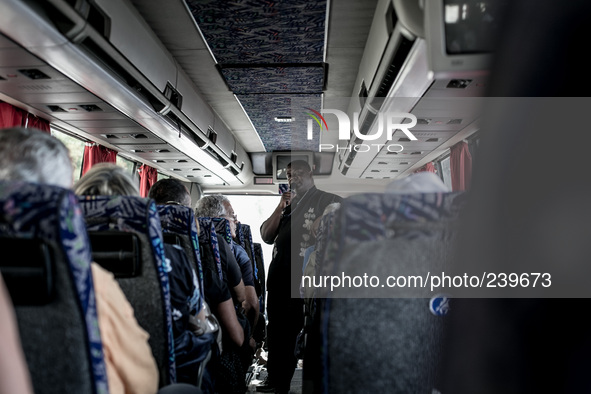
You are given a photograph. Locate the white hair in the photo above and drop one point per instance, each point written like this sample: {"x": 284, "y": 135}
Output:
{"x": 34, "y": 156}
{"x": 211, "y": 206}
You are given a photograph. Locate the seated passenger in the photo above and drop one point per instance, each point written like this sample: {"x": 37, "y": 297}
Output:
{"x": 33, "y": 156}
{"x": 221, "y": 207}
{"x": 190, "y": 350}
{"x": 237, "y": 354}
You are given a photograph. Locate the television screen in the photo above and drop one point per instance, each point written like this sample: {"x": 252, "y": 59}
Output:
{"x": 283, "y": 160}
{"x": 471, "y": 25}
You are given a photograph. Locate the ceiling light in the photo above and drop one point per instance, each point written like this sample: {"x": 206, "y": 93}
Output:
{"x": 284, "y": 119}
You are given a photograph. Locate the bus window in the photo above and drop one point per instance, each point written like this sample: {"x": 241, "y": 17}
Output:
{"x": 162, "y": 176}
{"x": 446, "y": 172}
{"x": 253, "y": 210}
{"x": 76, "y": 148}
{"x": 127, "y": 164}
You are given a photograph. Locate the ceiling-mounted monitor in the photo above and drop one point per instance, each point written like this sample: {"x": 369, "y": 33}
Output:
{"x": 282, "y": 159}
{"x": 461, "y": 36}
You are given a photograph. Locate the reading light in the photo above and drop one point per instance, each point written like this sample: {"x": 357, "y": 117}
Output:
{"x": 284, "y": 119}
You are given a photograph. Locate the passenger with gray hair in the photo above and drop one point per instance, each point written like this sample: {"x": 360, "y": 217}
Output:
{"x": 218, "y": 205}
{"x": 212, "y": 206}
{"x": 33, "y": 156}
{"x": 106, "y": 179}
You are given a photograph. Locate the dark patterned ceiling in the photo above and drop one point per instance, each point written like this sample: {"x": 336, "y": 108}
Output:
{"x": 271, "y": 54}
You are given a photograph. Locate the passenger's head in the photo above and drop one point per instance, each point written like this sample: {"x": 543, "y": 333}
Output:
{"x": 421, "y": 182}
{"x": 211, "y": 206}
{"x": 170, "y": 192}
{"x": 31, "y": 155}
{"x": 106, "y": 179}
{"x": 217, "y": 206}
{"x": 299, "y": 176}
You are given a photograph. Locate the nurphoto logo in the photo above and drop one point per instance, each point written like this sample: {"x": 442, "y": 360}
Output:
{"x": 387, "y": 122}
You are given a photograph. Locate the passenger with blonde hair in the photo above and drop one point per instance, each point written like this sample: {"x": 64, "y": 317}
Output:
{"x": 30, "y": 155}
{"x": 106, "y": 179}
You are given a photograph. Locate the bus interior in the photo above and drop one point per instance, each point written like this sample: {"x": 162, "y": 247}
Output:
{"x": 221, "y": 95}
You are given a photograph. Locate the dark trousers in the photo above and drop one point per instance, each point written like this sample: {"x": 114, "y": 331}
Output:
{"x": 286, "y": 319}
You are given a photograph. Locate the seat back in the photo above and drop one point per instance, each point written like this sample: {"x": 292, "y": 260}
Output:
{"x": 179, "y": 227}
{"x": 208, "y": 245}
{"x": 244, "y": 235}
{"x": 130, "y": 217}
{"x": 382, "y": 235}
{"x": 42, "y": 228}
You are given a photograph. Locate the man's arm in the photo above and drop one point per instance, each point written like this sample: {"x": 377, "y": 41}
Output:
{"x": 226, "y": 314}
{"x": 270, "y": 226}
{"x": 251, "y": 306}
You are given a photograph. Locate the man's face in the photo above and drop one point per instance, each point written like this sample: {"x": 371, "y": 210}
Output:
{"x": 232, "y": 218}
{"x": 298, "y": 178}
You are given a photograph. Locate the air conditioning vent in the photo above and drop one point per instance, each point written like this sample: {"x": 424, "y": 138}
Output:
{"x": 455, "y": 121}
{"x": 111, "y": 136}
{"x": 56, "y": 108}
{"x": 34, "y": 73}
{"x": 423, "y": 121}
{"x": 138, "y": 136}
{"x": 432, "y": 140}
{"x": 400, "y": 55}
{"x": 459, "y": 83}
{"x": 403, "y": 139}
{"x": 90, "y": 107}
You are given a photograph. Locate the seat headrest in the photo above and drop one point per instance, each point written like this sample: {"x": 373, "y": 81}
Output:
{"x": 29, "y": 274}
{"x": 117, "y": 252}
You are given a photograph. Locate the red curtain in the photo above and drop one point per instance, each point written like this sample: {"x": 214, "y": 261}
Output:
{"x": 148, "y": 177}
{"x": 460, "y": 166}
{"x": 429, "y": 167}
{"x": 94, "y": 154}
{"x": 10, "y": 116}
{"x": 37, "y": 123}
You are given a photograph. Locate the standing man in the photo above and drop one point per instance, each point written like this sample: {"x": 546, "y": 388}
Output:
{"x": 290, "y": 228}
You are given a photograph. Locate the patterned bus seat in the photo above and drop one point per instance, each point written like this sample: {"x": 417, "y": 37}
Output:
{"x": 64, "y": 311}
{"x": 148, "y": 293}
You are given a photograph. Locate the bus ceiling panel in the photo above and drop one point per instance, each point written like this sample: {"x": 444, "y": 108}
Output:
{"x": 185, "y": 164}
{"x": 121, "y": 137}
{"x": 5, "y": 42}
{"x": 17, "y": 18}
{"x": 103, "y": 123}
{"x": 278, "y": 50}
{"x": 19, "y": 58}
{"x": 97, "y": 110}
{"x": 263, "y": 109}
{"x": 26, "y": 96}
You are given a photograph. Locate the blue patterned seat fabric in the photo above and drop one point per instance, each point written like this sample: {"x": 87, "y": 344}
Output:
{"x": 222, "y": 227}
{"x": 140, "y": 216}
{"x": 52, "y": 214}
{"x": 208, "y": 236}
{"x": 382, "y": 233}
{"x": 176, "y": 219}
